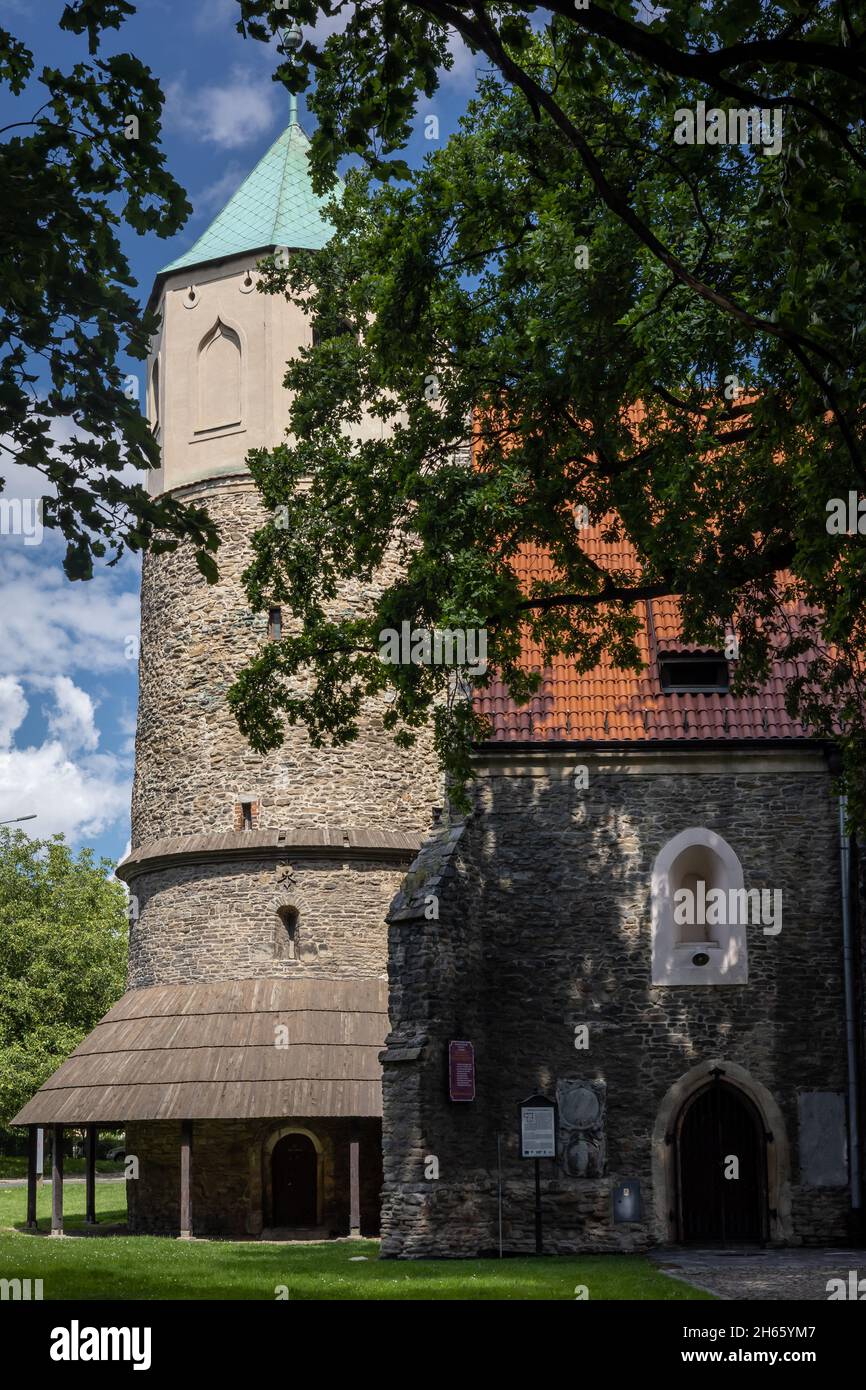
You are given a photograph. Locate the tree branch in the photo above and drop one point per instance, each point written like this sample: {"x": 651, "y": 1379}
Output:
{"x": 707, "y": 64}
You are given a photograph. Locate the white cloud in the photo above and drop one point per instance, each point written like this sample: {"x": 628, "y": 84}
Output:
{"x": 13, "y": 709}
{"x": 126, "y": 724}
{"x": 230, "y": 115}
{"x": 215, "y": 14}
{"x": 23, "y": 481}
{"x": 49, "y": 626}
{"x": 462, "y": 74}
{"x": 52, "y": 631}
{"x": 72, "y": 796}
{"x": 69, "y": 798}
{"x": 52, "y": 627}
{"x": 71, "y": 721}
{"x": 217, "y": 194}
{"x": 327, "y": 24}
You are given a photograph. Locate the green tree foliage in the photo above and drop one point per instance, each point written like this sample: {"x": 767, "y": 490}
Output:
{"x": 69, "y": 176}
{"x": 63, "y": 933}
{"x": 722, "y": 294}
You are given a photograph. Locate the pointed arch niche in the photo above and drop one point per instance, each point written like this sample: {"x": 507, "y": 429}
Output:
{"x": 219, "y": 376}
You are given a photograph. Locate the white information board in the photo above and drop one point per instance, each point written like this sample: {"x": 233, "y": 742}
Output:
{"x": 537, "y": 1132}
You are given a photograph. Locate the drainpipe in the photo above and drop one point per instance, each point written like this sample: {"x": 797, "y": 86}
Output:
{"x": 850, "y": 1011}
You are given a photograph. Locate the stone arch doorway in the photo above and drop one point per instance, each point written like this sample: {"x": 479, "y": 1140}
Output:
{"x": 721, "y": 1168}
{"x": 294, "y": 1173}
{"x": 666, "y": 1201}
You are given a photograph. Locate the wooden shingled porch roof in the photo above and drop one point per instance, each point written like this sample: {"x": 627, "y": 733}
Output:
{"x": 207, "y": 1051}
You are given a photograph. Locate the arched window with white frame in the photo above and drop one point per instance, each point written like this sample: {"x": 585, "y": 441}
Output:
{"x": 698, "y": 912}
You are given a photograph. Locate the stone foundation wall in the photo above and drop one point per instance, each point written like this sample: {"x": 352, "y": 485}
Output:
{"x": 821, "y": 1216}
{"x": 230, "y": 1188}
{"x": 545, "y": 924}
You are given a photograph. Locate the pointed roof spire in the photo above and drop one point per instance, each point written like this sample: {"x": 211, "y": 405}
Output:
{"x": 274, "y": 206}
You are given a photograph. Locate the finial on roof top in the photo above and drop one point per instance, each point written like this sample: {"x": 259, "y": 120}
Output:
{"x": 290, "y": 41}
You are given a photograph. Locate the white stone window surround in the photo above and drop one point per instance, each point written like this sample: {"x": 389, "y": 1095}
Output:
{"x": 696, "y": 850}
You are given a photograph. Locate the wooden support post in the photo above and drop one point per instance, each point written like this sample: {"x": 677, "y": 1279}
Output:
{"x": 354, "y": 1189}
{"x": 185, "y": 1179}
{"x": 57, "y": 1180}
{"x": 90, "y": 1176}
{"x": 32, "y": 1142}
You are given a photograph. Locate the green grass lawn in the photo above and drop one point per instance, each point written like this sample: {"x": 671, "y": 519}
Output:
{"x": 145, "y": 1267}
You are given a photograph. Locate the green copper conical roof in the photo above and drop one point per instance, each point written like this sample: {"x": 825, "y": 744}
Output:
{"x": 274, "y": 206}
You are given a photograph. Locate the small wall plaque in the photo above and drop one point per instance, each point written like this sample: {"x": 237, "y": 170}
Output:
{"x": 626, "y": 1201}
{"x": 461, "y": 1071}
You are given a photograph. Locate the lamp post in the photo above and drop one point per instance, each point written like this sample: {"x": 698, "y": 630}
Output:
{"x": 18, "y": 819}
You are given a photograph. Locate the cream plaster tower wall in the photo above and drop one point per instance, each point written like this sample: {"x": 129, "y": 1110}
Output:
{"x": 215, "y": 374}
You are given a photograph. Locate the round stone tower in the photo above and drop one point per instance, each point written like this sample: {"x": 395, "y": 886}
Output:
{"x": 245, "y": 1054}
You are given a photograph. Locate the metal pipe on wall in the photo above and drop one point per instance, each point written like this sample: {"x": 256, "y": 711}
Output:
{"x": 850, "y": 1009}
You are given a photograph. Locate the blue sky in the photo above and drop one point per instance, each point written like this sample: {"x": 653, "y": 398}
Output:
{"x": 68, "y": 686}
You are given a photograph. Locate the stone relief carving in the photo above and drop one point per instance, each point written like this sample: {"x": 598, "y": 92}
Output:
{"x": 582, "y": 1114}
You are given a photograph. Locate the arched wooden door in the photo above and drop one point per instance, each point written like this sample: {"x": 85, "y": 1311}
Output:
{"x": 717, "y": 1125}
{"x": 294, "y": 1179}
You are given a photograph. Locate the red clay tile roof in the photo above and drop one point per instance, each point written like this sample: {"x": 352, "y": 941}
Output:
{"x": 611, "y": 705}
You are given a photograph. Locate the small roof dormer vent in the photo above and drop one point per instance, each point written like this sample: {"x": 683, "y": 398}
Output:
{"x": 693, "y": 673}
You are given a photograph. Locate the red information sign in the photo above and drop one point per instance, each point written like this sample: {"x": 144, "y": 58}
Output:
{"x": 461, "y": 1071}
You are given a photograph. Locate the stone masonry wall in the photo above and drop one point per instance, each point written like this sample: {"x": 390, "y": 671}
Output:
{"x": 544, "y": 924}
{"x": 192, "y": 763}
{"x": 219, "y": 921}
{"x": 229, "y": 1175}
{"x": 435, "y": 972}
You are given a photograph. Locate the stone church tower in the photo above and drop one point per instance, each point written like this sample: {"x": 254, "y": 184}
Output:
{"x": 243, "y": 1062}
{"x": 705, "y": 1072}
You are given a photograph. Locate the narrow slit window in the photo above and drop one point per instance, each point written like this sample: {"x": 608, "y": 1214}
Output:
{"x": 275, "y": 624}
{"x": 286, "y": 934}
{"x": 154, "y": 397}
{"x": 247, "y": 815}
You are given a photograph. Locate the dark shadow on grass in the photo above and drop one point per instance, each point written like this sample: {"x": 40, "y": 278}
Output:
{"x": 108, "y": 1223}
